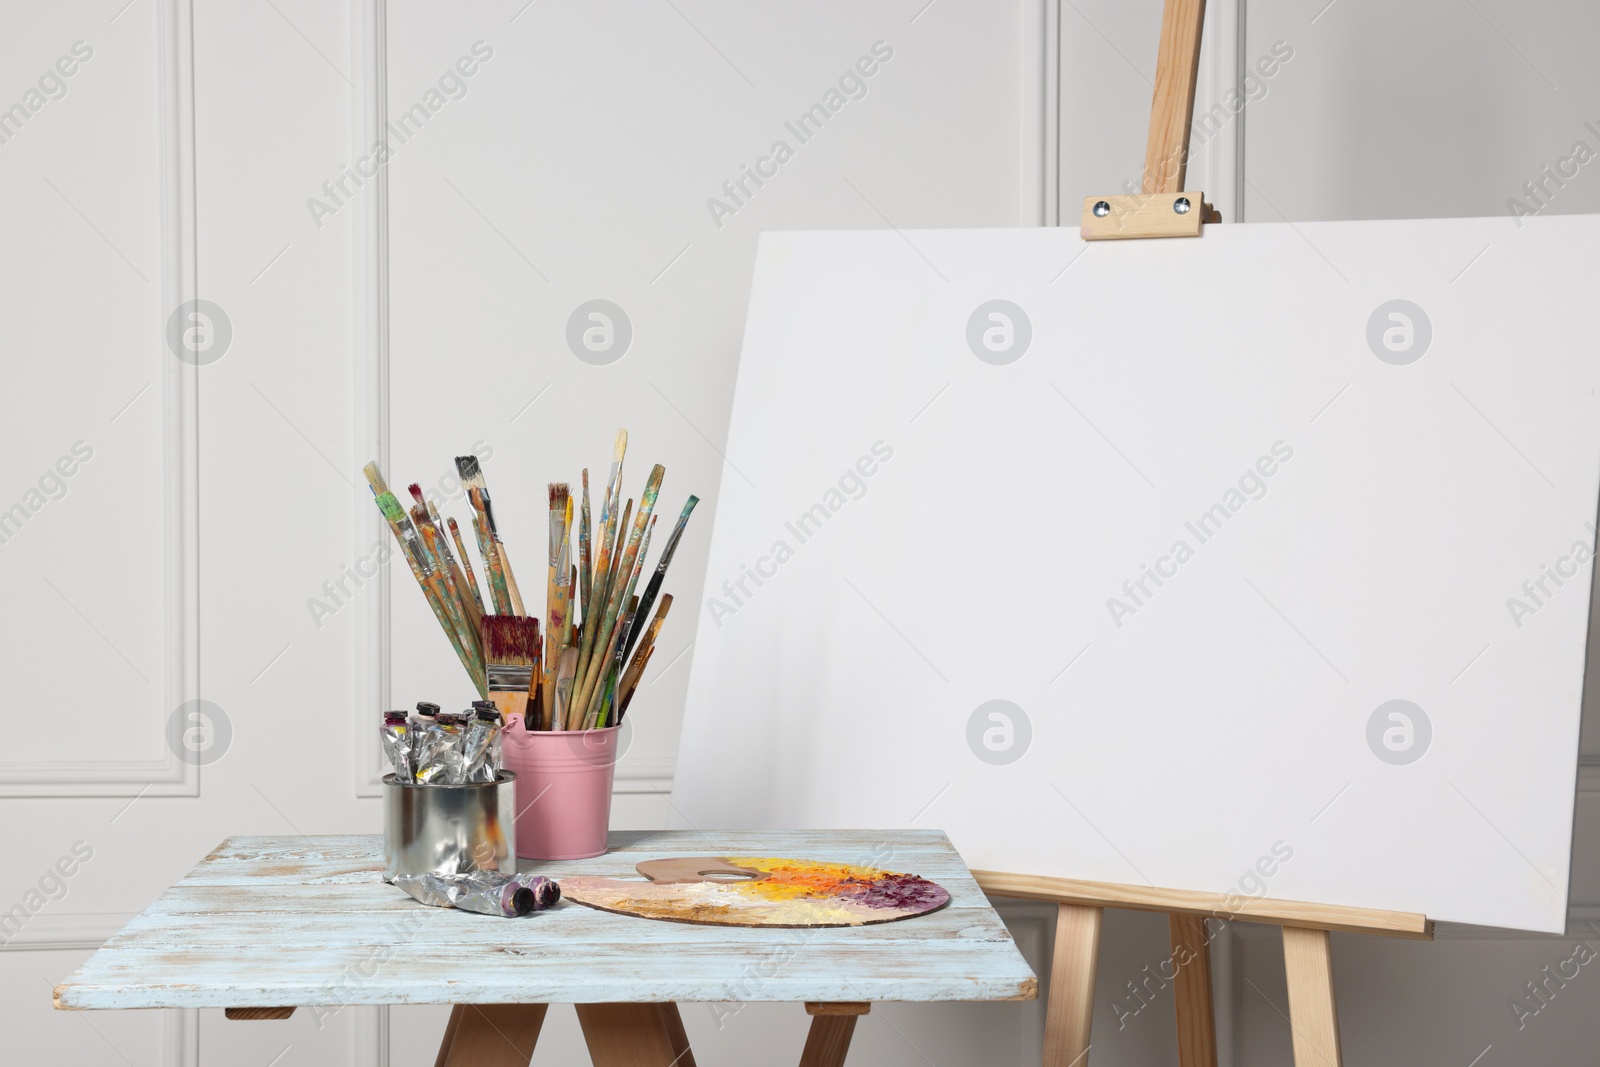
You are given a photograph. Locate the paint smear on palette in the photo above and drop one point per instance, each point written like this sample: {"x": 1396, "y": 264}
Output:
{"x": 760, "y": 891}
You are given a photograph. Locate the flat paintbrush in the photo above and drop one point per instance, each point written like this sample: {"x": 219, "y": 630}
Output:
{"x": 647, "y": 601}
{"x": 472, "y": 477}
{"x": 564, "y": 672}
{"x": 556, "y": 589}
{"x": 375, "y": 478}
{"x": 511, "y": 652}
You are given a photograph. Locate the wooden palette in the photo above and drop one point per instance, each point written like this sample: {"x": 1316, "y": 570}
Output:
{"x": 760, "y": 891}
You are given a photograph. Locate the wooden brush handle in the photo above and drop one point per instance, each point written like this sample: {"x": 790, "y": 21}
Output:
{"x": 511, "y": 580}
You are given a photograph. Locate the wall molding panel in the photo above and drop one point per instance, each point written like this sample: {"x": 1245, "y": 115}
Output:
{"x": 179, "y": 390}
{"x": 369, "y": 61}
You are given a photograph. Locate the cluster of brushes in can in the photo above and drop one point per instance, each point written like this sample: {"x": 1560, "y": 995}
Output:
{"x": 569, "y": 673}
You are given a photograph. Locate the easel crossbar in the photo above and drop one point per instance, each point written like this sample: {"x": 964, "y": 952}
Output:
{"x": 1224, "y": 906}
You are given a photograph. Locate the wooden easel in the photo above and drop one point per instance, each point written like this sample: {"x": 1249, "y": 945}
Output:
{"x": 1163, "y": 209}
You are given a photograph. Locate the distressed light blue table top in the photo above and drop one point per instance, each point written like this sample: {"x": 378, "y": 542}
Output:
{"x": 296, "y": 921}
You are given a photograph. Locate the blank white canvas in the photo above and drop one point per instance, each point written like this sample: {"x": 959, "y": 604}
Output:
{"x": 973, "y": 522}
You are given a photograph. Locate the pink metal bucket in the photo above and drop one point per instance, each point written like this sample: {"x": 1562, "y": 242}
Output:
{"x": 563, "y": 789}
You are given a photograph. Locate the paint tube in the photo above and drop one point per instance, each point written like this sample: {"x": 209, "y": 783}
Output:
{"x": 424, "y": 718}
{"x": 485, "y": 892}
{"x": 481, "y": 745}
{"x": 546, "y": 891}
{"x": 440, "y": 763}
{"x": 397, "y": 745}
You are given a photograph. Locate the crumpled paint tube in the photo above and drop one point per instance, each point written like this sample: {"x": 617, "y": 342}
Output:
{"x": 397, "y": 745}
{"x": 441, "y": 760}
{"x": 481, "y": 745}
{"x": 485, "y": 892}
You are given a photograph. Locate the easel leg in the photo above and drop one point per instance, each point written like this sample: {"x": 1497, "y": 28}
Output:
{"x": 634, "y": 1035}
{"x": 832, "y": 1026}
{"x": 491, "y": 1035}
{"x": 1072, "y": 970}
{"x": 1191, "y": 954}
{"x": 1308, "y": 966}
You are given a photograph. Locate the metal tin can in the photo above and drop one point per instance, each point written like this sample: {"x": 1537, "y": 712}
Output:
{"x": 449, "y": 829}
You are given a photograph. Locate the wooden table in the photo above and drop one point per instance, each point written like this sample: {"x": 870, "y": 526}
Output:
{"x": 265, "y": 925}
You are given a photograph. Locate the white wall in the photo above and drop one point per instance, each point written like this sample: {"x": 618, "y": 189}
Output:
{"x": 585, "y": 151}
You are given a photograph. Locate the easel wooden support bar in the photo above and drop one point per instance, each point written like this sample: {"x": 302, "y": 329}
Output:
{"x": 1161, "y": 208}
{"x": 1220, "y": 906}
{"x": 1307, "y": 960}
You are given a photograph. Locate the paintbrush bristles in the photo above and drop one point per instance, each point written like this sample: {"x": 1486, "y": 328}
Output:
{"x": 510, "y": 640}
{"x": 375, "y": 478}
{"x": 511, "y": 654}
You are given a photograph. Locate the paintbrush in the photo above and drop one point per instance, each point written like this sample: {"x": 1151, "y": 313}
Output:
{"x": 618, "y": 659}
{"x": 438, "y": 546}
{"x": 647, "y": 601}
{"x": 607, "y": 530}
{"x": 592, "y": 654}
{"x": 633, "y": 687}
{"x": 586, "y": 573}
{"x": 496, "y": 577}
{"x": 375, "y": 478}
{"x": 636, "y": 665}
{"x": 564, "y": 672}
{"x": 466, "y": 592}
{"x": 422, "y": 569}
{"x": 460, "y": 617}
{"x": 511, "y": 652}
{"x": 633, "y": 563}
{"x": 466, "y": 564}
{"x": 472, "y": 477}
{"x": 572, "y": 584}
{"x": 614, "y": 597}
{"x": 556, "y": 590}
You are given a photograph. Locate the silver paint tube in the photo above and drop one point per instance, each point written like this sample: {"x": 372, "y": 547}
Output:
{"x": 485, "y": 892}
{"x": 441, "y": 760}
{"x": 481, "y": 746}
{"x": 397, "y": 745}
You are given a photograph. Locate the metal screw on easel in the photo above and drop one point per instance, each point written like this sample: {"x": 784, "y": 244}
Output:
{"x": 1101, "y": 209}
{"x": 1181, "y": 205}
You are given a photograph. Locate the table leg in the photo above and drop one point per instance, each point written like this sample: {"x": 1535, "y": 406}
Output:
{"x": 635, "y": 1035}
{"x": 677, "y": 1035}
{"x": 1072, "y": 970}
{"x": 258, "y": 1013}
{"x": 832, "y": 1026}
{"x": 491, "y": 1035}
